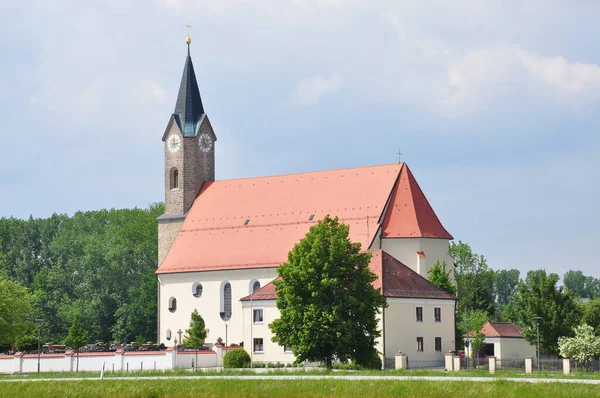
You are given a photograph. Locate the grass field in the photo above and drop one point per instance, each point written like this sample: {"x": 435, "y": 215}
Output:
{"x": 291, "y": 388}
{"x": 411, "y": 372}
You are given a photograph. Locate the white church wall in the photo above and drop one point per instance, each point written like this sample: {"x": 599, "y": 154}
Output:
{"x": 405, "y": 250}
{"x": 208, "y": 304}
{"x": 402, "y": 330}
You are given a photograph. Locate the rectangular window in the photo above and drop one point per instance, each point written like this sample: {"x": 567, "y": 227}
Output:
{"x": 258, "y": 345}
{"x": 437, "y": 313}
{"x": 419, "y": 314}
{"x": 258, "y": 315}
{"x": 438, "y": 344}
{"x": 287, "y": 348}
{"x": 420, "y": 344}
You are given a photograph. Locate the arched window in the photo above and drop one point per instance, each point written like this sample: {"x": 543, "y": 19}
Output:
{"x": 172, "y": 304}
{"x": 225, "y": 301}
{"x": 168, "y": 334}
{"x": 197, "y": 289}
{"x": 253, "y": 285}
{"x": 174, "y": 178}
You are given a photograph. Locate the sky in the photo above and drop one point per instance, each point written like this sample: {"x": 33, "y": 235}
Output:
{"x": 493, "y": 104}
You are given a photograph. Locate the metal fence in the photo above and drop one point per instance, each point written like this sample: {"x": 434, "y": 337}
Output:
{"x": 474, "y": 363}
{"x": 548, "y": 364}
{"x": 512, "y": 364}
{"x": 390, "y": 363}
{"x": 591, "y": 366}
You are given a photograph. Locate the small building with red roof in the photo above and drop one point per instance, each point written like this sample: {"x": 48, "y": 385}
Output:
{"x": 505, "y": 340}
{"x": 222, "y": 240}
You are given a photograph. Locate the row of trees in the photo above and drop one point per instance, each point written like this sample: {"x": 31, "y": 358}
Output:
{"x": 485, "y": 294}
{"x": 98, "y": 264}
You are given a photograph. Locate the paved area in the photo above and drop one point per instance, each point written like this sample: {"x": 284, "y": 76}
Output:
{"x": 318, "y": 377}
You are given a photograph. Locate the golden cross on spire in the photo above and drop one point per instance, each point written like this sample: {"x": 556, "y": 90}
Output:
{"x": 188, "y": 40}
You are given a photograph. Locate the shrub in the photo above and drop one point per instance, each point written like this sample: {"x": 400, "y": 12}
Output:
{"x": 373, "y": 363}
{"x": 238, "y": 358}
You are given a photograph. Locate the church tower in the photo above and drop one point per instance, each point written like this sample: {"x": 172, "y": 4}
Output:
{"x": 189, "y": 150}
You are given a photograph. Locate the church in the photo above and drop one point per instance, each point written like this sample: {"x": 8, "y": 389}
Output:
{"x": 220, "y": 243}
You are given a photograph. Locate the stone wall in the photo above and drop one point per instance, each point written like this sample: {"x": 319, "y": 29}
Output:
{"x": 167, "y": 231}
{"x": 112, "y": 361}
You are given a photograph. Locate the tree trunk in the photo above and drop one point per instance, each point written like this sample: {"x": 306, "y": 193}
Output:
{"x": 196, "y": 363}
{"x": 329, "y": 362}
{"x": 77, "y": 367}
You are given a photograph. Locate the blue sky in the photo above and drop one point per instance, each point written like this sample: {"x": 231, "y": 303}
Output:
{"x": 495, "y": 106}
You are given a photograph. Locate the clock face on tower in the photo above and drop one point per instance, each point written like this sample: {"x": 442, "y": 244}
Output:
{"x": 205, "y": 142}
{"x": 173, "y": 143}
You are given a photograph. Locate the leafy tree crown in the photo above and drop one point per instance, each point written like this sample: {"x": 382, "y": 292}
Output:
{"x": 196, "y": 334}
{"x": 77, "y": 337}
{"x": 327, "y": 302}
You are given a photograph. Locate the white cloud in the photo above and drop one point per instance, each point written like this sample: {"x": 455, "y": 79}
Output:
{"x": 310, "y": 91}
{"x": 172, "y": 4}
{"x": 320, "y": 3}
{"x": 573, "y": 77}
{"x": 149, "y": 90}
{"x": 474, "y": 75}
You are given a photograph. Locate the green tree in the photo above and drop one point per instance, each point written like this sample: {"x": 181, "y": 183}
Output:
{"x": 439, "y": 277}
{"x": 584, "y": 347}
{"x": 77, "y": 264}
{"x": 470, "y": 323}
{"x": 474, "y": 280}
{"x": 580, "y": 285}
{"x": 540, "y": 296}
{"x": 574, "y": 282}
{"x": 15, "y": 310}
{"x": 327, "y": 302}
{"x": 591, "y": 314}
{"x": 505, "y": 284}
{"x": 3, "y": 261}
{"x": 77, "y": 337}
{"x": 196, "y": 334}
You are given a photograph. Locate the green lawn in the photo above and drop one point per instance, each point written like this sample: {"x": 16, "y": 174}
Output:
{"x": 213, "y": 373}
{"x": 291, "y": 388}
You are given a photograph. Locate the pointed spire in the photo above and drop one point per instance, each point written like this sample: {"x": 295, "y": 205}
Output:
{"x": 188, "y": 109}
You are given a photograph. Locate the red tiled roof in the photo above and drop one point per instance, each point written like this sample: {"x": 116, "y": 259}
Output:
{"x": 93, "y": 354}
{"x": 409, "y": 214}
{"x": 401, "y": 281}
{"x": 267, "y": 292}
{"x": 398, "y": 281}
{"x": 278, "y": 209}
{"x": 128, "y": 353}
{"x": 44, "y": 355}
{"x": 501, "y": 329}
{"x": 199, "y": 352}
